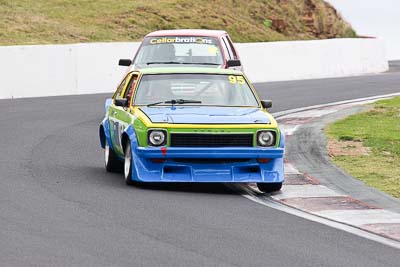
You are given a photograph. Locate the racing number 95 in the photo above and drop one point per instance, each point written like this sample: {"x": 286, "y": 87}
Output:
{"x": 236, "y": 79}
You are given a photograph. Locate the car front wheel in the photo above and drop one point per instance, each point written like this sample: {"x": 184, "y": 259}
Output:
{"x": 269, "y": 187}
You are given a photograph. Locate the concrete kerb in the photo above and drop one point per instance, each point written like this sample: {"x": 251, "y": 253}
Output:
{"x": 317, "y": 190}
{"x": 252, "y": 193}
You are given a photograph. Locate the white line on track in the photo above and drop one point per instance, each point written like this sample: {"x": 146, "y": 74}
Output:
{"x": 290, "y": 169}
{"x": 364, "y": 99}
{"x": 289, "y": 129}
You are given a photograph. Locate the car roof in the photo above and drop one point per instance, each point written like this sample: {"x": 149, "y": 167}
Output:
{"x": 190, "y": 70}
{"x": 187, "y": 32}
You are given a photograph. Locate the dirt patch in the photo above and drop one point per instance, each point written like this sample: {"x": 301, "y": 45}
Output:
{"x": 347, "y": 148}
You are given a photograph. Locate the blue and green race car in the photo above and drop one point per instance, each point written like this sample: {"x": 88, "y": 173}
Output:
{"x": 191, "y": 125}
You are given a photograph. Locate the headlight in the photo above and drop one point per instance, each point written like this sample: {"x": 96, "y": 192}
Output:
{"x": 266, "y": 138}
{"x": 157, "y": 137}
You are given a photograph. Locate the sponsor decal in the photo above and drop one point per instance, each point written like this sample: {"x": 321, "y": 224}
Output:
{"x": 236, "y": 79}
{"x": 177, "y": 40}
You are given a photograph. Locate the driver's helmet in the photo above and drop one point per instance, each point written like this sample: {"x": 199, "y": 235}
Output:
{"x": 166, "y": 52}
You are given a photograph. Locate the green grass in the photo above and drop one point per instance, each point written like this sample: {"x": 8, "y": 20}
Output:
{"x": 71, "y": 21}
{"x": 378, "y": 129}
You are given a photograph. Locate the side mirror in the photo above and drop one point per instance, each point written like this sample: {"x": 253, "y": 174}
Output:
{"x": 266, "y": 103}
{"x": 121, "y": 102}
{"x": 125, "y": 62}
{"x": 233, "y": 63}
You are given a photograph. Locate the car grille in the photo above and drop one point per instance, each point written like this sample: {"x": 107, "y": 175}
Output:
{"x": 211, "y": 140}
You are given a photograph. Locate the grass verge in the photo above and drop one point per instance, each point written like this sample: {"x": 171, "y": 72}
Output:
{"x": 377, "y": 131}
{"x": 71, "y": 21}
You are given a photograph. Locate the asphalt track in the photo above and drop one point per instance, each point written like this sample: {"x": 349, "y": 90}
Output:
{"x": 58, "y": 206}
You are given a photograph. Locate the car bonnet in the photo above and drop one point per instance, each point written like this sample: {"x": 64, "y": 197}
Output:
{"x": 206, "y": 115}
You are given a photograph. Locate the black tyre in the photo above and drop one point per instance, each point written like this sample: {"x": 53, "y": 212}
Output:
{"x": 111, "y": 163}
{"x": 269, "y": 187}
{"x": 128, "y": 164}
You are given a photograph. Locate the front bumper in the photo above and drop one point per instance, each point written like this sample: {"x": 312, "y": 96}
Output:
{"x": 180, "y": 164}
{"x": 210, "y": 152}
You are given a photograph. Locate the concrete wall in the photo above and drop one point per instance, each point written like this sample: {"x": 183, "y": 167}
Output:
{"x": 277, "y": 61}
{"x": 47, "y": 70}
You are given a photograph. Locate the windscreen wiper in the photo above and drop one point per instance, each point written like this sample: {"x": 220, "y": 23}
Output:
{"x": 203, "y": 63}
{"x": 176, "y": 101}
{"x": 155, "y": 104}
{"x": 184, "y": 63}
{"x": 164, "y": 62}
{"x": 182, "y": 101}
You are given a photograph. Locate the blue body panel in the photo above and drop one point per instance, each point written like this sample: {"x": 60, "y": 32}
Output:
{"x": 106, "y": 127}
{"x": 203, "y": 164}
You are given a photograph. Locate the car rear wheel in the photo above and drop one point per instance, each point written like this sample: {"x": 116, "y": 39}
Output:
{"x": 111, "y": 162}
{"x": 269, "y": 187}
{"x": 128, "y": 164}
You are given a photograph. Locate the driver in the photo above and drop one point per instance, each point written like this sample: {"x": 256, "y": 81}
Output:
{"x": 166, "y": 52}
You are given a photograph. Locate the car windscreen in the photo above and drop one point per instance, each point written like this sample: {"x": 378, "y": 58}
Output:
{"x": 196, "y": 89}
{"x": 179, "y": 50}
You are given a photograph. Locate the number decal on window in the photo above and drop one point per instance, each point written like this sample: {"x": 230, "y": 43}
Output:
{"x": 236, "y": 79}
{"x": 213, "y": 50}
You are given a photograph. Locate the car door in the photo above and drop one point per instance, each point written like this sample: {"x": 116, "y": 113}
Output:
{"x": 122, "y": 115}
{"x": 117, "y": 116}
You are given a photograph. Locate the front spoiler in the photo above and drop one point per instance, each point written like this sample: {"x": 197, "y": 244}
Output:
{"x": 173, "y": 169}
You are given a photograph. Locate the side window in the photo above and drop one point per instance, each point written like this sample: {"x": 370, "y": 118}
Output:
{"x": 118, "y": 93}
{"x": 230, "y": 52}
{"x": 231, "y": 48}
{"x": 131, "y": 85}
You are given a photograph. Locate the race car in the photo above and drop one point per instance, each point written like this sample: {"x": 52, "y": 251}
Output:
{"x": 191, "y": 125}
{"x": 186, "y": 47}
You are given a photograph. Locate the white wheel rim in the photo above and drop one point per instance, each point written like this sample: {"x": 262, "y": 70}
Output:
{"x": 127, "y": 163}
{"x": 106, "y": 153}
